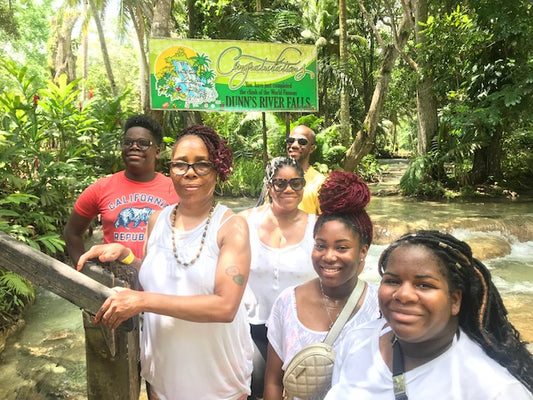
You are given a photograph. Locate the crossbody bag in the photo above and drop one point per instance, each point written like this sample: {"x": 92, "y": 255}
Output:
{"x": 308, "y": 374}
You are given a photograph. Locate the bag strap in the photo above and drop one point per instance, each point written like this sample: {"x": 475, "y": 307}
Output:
{"x": 345, "y": 312}
{"x": 398, "y": 376}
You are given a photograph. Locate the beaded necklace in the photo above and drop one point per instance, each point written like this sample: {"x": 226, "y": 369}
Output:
{"x": 174, "y": 249}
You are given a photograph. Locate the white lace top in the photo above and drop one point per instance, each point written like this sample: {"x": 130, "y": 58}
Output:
{"x": 288, "y": 335}
{"x": 273, "y": 269}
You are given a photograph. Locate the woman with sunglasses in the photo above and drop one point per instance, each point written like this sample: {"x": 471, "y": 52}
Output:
{"x": 444, "y": 334}
{"x": 124, "y": 200}
{"x": 281, "y": 243}
{"x": 195, "y": 341}
{"x": 305, "y": 312}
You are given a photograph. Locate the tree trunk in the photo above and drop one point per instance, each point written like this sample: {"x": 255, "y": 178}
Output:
{"x": 84, "y": 50}
{"x": 426, "y": 101}
{"x": 365, "y": 139}
{"x": 487, "y": 161}
{"x": 144, "y": 71}
{"x": 426, "y": 109}
{"x": 192, "y": 18}
{"x": 103, "y": 46}
{"x": 343, "y": 59}
{"x": 63, "y": 59}
{"x": 160, "y": 28}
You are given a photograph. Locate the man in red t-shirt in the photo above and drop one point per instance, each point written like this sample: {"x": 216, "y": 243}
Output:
{"x": 124, "y": 200}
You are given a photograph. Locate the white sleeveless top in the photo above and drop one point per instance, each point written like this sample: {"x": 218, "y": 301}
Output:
{"x": 182, "y": 359}
{"x": 273, "y": 269}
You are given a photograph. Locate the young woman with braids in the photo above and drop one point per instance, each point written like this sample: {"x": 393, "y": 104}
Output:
{"x": 445, "y": 332}
{"x": 195, "y": 341}
{"x": 281, "y": 243}
{"x": 303, "y": 314}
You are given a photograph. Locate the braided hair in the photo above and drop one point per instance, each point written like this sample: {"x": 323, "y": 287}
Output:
{"x": 343, "y": 197}
{"x": 483, "y": 315}
{"x": 219, "y": 152}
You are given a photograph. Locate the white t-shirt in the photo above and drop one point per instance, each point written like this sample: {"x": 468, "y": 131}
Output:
{"x": 273, "y": 269}
{"x": 288, "y": 335}
{"x": 463, "y": 372}
{"x": 185, "y": 360}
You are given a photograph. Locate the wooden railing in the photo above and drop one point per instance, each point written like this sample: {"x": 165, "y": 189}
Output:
{"x": 112, "y": 356}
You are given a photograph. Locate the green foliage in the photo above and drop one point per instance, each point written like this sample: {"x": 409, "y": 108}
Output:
{"x": 26, "y": 26}
{"x": 52, "y": 146}
{"x": 246, "y": 179}
{"x": 369, "y": 169}
{"x": 15, "y": 292}
{"x": 480, "y": 61}
{"x": 517, "y": 163}
{"x": 329, "y": 149}
{"x": 22, "y": 217}
{"x": 417, "y": 181}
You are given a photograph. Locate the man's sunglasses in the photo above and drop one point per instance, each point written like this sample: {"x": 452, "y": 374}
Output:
{"x": 301, "y": 141}
{"x": 142, "y": 144}
{"x": 280, "y": 184}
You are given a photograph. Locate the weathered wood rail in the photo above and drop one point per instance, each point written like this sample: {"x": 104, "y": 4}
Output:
{"x": 112, "y": 356}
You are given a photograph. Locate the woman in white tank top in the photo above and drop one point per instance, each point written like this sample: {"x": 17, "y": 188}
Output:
{"x": 195, "y": 341}
{"x": 281, "y": 239}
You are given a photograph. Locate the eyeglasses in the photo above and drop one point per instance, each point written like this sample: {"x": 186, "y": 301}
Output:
{"x": 200, "y": 167}
{"x": 142, "y": 144}
{"x": 301, "y": 141}
{"x": 280, "y": 184}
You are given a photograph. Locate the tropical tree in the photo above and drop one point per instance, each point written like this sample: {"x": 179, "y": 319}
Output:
{"x": 365, "y": 138}
{"x": 103, "y": 45}
{"x": 426, "y": 100}
{"x": 343, "y": 61}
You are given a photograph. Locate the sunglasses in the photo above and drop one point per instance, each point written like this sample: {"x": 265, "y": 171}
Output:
{"x": 280, "y": 184}
{"x": 143, "y": 144}
{"x": 301, "y": 141}
{"x": 200, "y": 167}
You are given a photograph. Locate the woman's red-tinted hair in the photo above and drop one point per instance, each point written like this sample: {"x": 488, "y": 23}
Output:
{"x": 343, "y": 196}
{"x": 219, "y": 153}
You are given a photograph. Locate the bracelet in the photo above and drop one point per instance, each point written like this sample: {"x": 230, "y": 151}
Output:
{"x": 128, "y": 259}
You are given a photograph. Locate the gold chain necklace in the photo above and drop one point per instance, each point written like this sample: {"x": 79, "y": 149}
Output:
{"x": 174, "y": 249}
{"x": 325, "y": 299}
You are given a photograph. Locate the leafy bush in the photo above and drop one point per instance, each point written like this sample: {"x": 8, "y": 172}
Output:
{"x": 51, "y": 147}
{"x": 369, "y": 169}
{"x": 246, "y": 179}
{"x": 417, "y": 181}
{"x": 15, "y": 292}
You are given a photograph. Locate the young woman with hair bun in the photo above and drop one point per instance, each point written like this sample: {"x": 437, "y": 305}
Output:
{"x": 303, "y": 314}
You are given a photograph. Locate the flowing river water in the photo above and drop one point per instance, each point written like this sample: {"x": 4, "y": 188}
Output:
{"x": 46, "y": 359}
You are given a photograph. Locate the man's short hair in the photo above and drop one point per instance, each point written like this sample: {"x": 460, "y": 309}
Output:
{"x": 146, "y": 122}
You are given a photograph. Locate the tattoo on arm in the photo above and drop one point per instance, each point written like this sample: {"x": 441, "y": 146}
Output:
{"x": 233, "y": 271}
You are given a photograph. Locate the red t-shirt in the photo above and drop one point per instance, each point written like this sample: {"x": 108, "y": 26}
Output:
{"x": 125, "y": 206}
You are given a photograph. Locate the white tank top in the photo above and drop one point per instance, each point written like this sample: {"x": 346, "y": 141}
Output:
{"x": 182, "y": 359}
{"x": 273, "y": 269}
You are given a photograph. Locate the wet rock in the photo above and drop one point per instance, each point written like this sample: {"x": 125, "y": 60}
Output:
{"x": 486, "y": 247}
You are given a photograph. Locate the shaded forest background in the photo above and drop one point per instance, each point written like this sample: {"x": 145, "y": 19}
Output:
{"x": 447, "y": 84}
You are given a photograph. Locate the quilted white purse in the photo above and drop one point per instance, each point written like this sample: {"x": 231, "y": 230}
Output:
{"x": 308, "y": 375}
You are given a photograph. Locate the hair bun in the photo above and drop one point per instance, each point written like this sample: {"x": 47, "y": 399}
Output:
{"x": 343, "y": 192}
